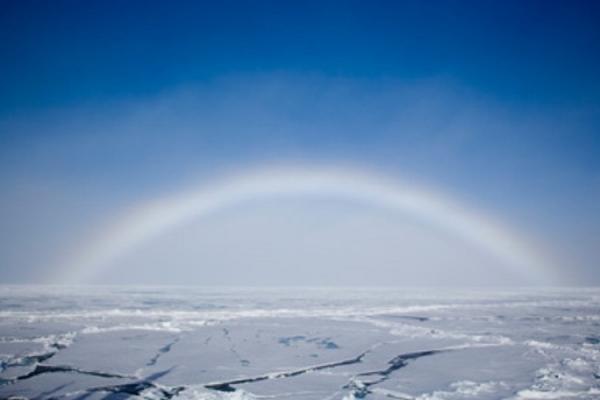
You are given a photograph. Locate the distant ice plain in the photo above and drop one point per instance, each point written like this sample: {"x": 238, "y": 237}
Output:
{"x": 298, "y": 343}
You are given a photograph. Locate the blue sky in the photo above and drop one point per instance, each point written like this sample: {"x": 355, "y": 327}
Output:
{"x": 104, "y": 104}
{"x": 525, "y": 53}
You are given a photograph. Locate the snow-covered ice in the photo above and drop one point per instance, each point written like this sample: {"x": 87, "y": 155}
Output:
{"x": 298, "y": 343}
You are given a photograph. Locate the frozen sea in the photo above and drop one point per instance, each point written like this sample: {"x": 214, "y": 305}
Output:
{"x": 298, "y": 343}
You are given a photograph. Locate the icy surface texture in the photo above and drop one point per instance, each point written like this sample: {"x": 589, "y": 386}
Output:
{"x": 200, "y": 343}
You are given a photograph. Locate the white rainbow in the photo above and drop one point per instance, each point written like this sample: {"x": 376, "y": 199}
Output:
{"x": 149, "y": 220}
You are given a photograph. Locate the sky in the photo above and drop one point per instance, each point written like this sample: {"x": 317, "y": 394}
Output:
{"x": 106, "y": 106}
